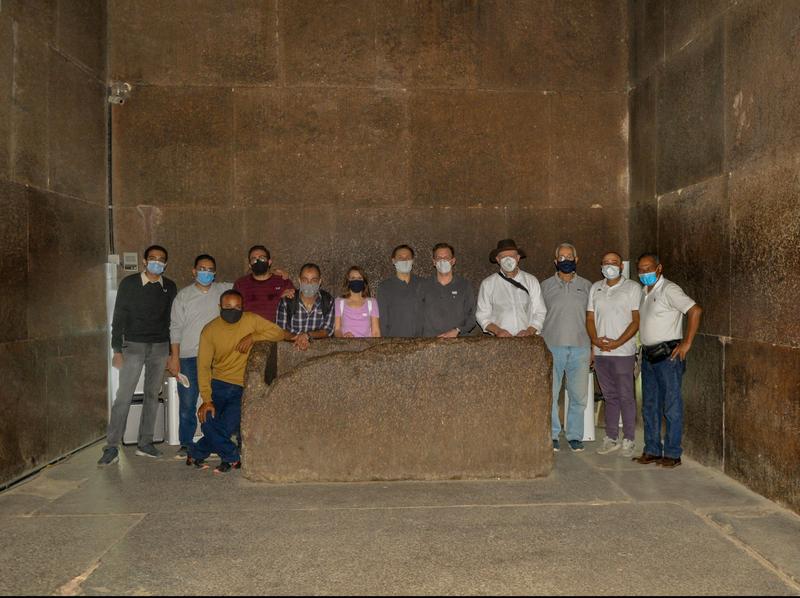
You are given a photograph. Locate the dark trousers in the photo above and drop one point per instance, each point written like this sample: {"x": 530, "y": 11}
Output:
{"x": 615, "y": 375}
{"x": 661, "y": 399}
{"x": 217, "y": 430}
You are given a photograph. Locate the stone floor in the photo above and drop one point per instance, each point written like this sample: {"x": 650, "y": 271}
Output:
{"x": 596, "y": 525}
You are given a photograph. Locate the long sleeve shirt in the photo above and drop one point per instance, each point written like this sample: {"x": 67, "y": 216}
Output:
{"x": 510, "y": 308}
{"x": 294, "y": 317}
{"x": 445, "y": 307}
{"x": 191, "y": 311}
{"x": 218, "y": 357}
{"x": 141, "y": 311}
{"x": 400, "y": 306}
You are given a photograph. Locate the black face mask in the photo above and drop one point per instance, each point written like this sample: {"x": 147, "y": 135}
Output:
{"x": 567, "y": 266}
{"x": 356, "y": 285}
{"x": 260, "y": 268}
{"x": 231, "y": 316}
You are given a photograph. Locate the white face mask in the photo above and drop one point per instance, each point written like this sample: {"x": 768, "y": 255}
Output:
{"x": 610, "y": 271}
{"x": 444, "y": 266}
{"x": 404, "y": 267}
{"x": 508, "y": 264}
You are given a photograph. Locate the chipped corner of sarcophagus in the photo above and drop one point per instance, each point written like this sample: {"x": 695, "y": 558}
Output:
{"x": 398, "y": 409}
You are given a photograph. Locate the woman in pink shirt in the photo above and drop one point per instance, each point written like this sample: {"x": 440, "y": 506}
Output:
{"x": 356, "y": 312}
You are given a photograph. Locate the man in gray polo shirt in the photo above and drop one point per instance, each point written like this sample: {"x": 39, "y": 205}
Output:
{"x": 566, "y": 296}
{"x": 448, "y": 300}
{"x": 193, "y": 308}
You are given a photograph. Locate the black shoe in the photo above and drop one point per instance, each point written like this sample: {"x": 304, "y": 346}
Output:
{"x": 198, "y": 463}
{"x": 225, "y": 467}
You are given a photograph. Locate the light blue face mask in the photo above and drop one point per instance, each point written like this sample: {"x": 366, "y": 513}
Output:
{"x": 648, "y": 279}
{"x": 155, "y": 267}
{"x": 205, "y": 278}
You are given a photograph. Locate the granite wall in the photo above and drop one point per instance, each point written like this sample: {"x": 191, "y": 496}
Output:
{"x": 52, "y": 230}
{"x": 715, "y": 188}
{"x": 333, "y": 131}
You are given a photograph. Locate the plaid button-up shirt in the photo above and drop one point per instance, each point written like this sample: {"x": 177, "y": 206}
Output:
{"x": 304, "y": 320}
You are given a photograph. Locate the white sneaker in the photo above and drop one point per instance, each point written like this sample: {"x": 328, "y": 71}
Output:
{"x": 628, "y": 448}
{"x": 609, "y": 446}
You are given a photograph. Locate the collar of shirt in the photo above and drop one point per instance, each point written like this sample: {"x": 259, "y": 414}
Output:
{"x": 146, "y": 280}
{"x": 317, "y": 303}
{"x": 658, "y": 285}
{"x": 619, "y": 285}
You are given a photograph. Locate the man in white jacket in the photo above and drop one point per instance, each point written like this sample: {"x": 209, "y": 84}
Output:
{"x": 510, "y": 302}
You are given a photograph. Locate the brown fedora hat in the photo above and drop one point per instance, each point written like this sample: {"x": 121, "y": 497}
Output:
{"x": 505, "y": 245}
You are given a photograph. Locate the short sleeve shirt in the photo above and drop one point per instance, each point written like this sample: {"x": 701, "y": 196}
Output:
{"x": 565, "y": 324}
{"x": 661, "y": 312}
{"x": 612, "y": 307}
{"x": 357, "y": 320}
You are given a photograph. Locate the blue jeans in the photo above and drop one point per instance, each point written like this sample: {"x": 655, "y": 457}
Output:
{"x": 661, "y": 398}
{"x": 574, "y": 362}
{"x": 188, "y": 402}
{"x": 217, "y": 430}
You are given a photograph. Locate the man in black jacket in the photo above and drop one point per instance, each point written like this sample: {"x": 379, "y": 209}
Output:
{"x": 140, "y": 339}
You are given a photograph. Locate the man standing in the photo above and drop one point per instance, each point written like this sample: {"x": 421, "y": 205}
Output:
{"x": 398, "y": 297}
{"x": 448, "y": 301}
{"x": 310, "y": 312}
{"x": 140, "y": 339}
{"x": 566, "y": 296}
{"x": 510, "y": 301}
{"x": 263, "y": 288}
{"x": 220, "y": 371}
{"x": 612, "y": 320}
{"x": 193, "y": 308}
{"x": 664, "y": 349}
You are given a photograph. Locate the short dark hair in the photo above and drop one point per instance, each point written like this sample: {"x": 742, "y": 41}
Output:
{"x": 229, "y": 293}
{"x": 652, "y": 256}
{"x": 204, "y": 256}
{"x": 309, "y": 265}
{"x": 444, "y": 246}
{"x": 155, "y": 248}
{"x": 262, "y": 248}
{"x": 404, "y": 246}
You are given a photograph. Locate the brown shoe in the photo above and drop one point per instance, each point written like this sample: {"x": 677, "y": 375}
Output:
{"x": 670, "y": 462}
{"x": 646, "y": 459}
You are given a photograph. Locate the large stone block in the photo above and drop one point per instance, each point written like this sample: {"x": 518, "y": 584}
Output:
{"x": 173, "y": 146}
{"x": 36, "y": 16}
{"x": 589, "y": 157}
{"x": 65, "y": 231}
{"x": 193, "y": 42}
{"x": 703, "y": 400}
{"x": 642, "y": 230}
{"x": 762, "y": 82}
{"x": 400, "y": 409}
{"x": 647, "y": 38}
{"x": 81, "y": 32}
{"x": 685, "y": 20}
{"x": 764, "y": 230}
{"x": 77, "y": 135}
{"x": 13, "y": 262}
{"x": 321, "y": 147}
{"x": 642, "y": 150}
{"x": 694, "y": 245}
{"x": 690, "y": 114}
{"x": 762, "y": 416}
{"x": 479, "y": 148}
{"x": 6, "y": 85}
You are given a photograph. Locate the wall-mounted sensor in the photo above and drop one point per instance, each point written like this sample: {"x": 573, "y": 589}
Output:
{"x": 130, "y": 261}
{"x": 118, "y": 92}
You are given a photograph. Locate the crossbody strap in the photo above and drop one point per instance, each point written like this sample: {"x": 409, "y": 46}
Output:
{"x": 513, "y": 282}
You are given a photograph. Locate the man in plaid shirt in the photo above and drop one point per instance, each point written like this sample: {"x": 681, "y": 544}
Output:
{"x": 310, "y": 311}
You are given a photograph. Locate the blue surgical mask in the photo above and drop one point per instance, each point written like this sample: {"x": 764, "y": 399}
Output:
{"x": 205, "y": 278}
{"x": 155, "y": 267}
{"x": 648, "y": 279}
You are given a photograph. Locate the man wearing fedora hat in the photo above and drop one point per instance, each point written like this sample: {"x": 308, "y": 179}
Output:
{"x": 510, "y": 302}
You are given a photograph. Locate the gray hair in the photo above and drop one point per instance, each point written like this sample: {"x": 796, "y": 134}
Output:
{"x": 568, "y": 245}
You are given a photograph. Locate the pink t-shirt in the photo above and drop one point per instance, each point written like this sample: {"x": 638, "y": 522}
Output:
{"x": 356, "y": 320}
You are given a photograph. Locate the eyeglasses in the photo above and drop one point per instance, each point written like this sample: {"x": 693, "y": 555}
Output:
{"x": 156, "y": 259}
{"x": 202, "y": 269}
{"x": 566, "y": 258}
{"x": 259, "y": 259}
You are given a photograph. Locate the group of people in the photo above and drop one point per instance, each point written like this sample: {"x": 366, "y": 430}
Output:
{"x": 203, "y": 333}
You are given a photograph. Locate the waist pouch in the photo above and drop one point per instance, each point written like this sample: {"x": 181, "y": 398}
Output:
{"x": 659, "y": 352}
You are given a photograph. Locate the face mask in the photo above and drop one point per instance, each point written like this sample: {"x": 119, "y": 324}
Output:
{"x": 508, "y": 264}
{"x": 444, "y": 267}
{"x": 309, "y": 290}
{"x": 155, "y": 267}
{"x": 648, "y": 279}
{"x": 567, "y": 266}
{"x": 231, "y": 316}
{"x": 205, "y": 278}
{"x": 356, "y": 286}
{"x": 259, "y": 268}
{"x": 610, "y": 271}
{"x": 404, "y": 267}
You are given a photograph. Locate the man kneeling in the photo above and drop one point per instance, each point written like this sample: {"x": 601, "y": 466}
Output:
{"x": 224, "y": 346}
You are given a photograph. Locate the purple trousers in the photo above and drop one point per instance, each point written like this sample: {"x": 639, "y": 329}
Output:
{"x": 615, "y": 375}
